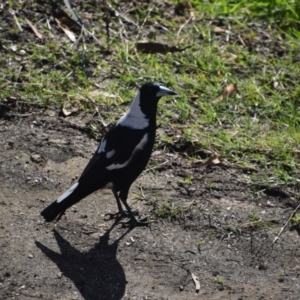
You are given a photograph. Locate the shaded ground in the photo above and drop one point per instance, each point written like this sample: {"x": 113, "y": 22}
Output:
{"x": 84, "y": 257}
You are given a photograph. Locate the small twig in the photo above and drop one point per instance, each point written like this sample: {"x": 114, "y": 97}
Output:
{"x": 16, "y": 20}
{"x": 286, "y": 224}
{"x": 48, "y": 23}
{"x": 241, "y": 40}
{"x": 117, "y": 13}
{"x": 34, "y": 29}
{"x": 73, "y": 13}
{"x": 187, "y": 22}
{"x": 92, "y": 35}
{"x": 122, "y": 30}
{"x": 156, "y": 167}
{"x": 20, "y": 115}
{"x": 144, "y": 21}
{"x": 190, "y": 19}
{"x": 81, "y": 37}
{"x": 209, "y": 220}
{"x": 251, "y": 243}
{"x": 147, "y": 16}
{"x": 107, "y": 23}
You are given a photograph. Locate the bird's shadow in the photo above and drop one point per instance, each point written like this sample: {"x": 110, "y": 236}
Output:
{"x": 97, "y": 274}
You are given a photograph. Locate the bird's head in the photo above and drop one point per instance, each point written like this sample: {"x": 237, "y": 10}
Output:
{"x": 155, "y": 90}
{"x": 149, "y": 95}
{"x": 143, "y": 107}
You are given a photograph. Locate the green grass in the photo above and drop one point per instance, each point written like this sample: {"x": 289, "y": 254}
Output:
{"x": 295, "y": 220}
{"x": 220, "y": 280}
{"x": 257, "y": 127}
{"x": 284, "y": 13}
{"x": 169, "y": 210}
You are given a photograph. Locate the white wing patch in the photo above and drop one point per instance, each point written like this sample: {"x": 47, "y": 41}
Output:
{"x": 102, "y": 146}
{"x": 67, "y": 193}
{"x": 102, "y": 149}
{"x": 110, "y": 153}
{"x": 134, "y": 118}
{"x": 139, "y": 146}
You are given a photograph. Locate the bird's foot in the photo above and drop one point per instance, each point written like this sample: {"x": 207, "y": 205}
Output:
{"x": 119, "y": 215}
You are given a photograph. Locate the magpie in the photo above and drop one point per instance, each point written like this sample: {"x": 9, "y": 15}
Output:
{"x": 120, "y": 158}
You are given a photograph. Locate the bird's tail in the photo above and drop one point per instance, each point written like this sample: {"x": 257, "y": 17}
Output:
{"x": 58, "y": 207}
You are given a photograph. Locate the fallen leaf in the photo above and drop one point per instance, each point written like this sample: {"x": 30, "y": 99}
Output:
{"x": 97, "y": 234}
{"x": 214, "y": 159}
{"x": 152, "y": 47}
{"x": 228, "y": 90}
{"x": 219, "y": 30}
{"x": 191, "y": 18}
{"x": 14, "y": 48}
{"x": 232, "y": 57}
{"x": 70, "y": 34}
{"x": 34, "y": 29}
{"x": 88, "y": 15}
{"x": 70, "y": 111}
{"x": 50, "y": 113}
{"x": 96, "y": 93}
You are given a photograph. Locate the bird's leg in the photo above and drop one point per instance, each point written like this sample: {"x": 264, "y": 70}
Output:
{"x": 137, "y": 222}
{"x": 121, "y": 212}
{"x": 120, "y": 208}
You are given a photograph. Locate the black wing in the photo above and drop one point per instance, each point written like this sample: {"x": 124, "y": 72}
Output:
{"x": 119, "y": 142}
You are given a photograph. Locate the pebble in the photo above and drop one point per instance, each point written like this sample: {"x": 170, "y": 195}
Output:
{"x": 36, "y": 158}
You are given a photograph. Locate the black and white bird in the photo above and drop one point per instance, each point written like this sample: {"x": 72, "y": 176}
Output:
{"x": 120, "y": 158}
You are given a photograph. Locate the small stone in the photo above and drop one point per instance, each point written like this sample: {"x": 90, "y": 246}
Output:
{"x": 36, "y": 158}
{"x": 30, "y": 255}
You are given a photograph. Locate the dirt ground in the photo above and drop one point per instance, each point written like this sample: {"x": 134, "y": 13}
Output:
{"x": 85, "y": 257}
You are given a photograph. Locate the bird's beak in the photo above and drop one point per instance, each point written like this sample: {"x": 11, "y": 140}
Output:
{"x": 163, "y": 91}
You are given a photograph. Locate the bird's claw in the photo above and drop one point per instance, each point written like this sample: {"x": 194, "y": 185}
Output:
{"x": 136, "y": 222}
{"x": 110, "y": 216}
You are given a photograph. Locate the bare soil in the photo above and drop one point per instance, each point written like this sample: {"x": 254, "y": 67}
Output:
{"x": 85, "y": 257}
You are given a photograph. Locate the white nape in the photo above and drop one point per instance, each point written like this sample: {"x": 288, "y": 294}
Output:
{"x": 67, "y": 193}
{"x": 139, "y": 146}
{"x": 134, "y": 118}
{"x": 110, "y": 153}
